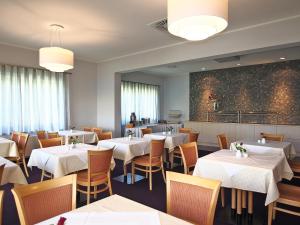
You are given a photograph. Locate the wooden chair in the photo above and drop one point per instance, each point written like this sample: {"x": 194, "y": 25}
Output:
{"x": 185, "y": 130}
{"x": 189, "y": 153}
{"x": 150, "y": 163}
{"x": 295, "y": 166}
{"x": 272, "y": 137}
{"x": 192, "y": 198}
{"x": 41, "y": 134}
{"x": 1, "y": 205}
{"x": 193, "y": 137}
{"x": 23, "y": 139}
{"x": 97, "y": 130}
{"x": 45, "y": 143}
{"x": 89, "y": 129}
{"x": 98, "y": 173}
{"x": 146, "y": 131}
{"x": 129, "y": 125}
{"x": 1, "y": 173}
{"x": 40, "y": 201}
{"x": 15, "y": 136}
{"x": 223, "y": 142}
{"x": 104, "y": 135}
{"x": 52, "y": 135}
{"x": 288, "y": 195}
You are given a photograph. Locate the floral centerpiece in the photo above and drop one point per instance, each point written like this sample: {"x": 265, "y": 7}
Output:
{"x": 130, "y": 133}
{"x": 74, "y": 141}
{"x": 170, "y": 129}
{"x": 241, "y": 151}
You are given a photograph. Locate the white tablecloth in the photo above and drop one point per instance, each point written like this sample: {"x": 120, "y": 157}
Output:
{"x": 172, "y": 140}
{"x": 12, "y": 173}
{"x": 258, "y": 172}
{"x": 84, "y": 136}
{"x": 8, "y": 148}
{"x": 286, "y": 148}
{"x": 125, "y": 148}
{"x": 120, "y": 205}
{"x": 62, "y": 160}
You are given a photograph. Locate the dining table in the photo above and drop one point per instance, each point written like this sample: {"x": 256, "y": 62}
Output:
{"x": 284, "y": 147}
{"x": 64, "y": 159}
{"x": 116, "y": 210}
{"x": 8, "y": 148}
{"x": 12, "y": 173}
{"x": 259, "y": 172}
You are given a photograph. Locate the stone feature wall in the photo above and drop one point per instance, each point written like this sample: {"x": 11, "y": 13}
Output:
{"x": 267, "y": 93}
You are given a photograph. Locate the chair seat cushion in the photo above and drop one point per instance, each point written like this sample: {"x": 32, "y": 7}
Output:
{"x": 289, "y": 192}
{"x": 82, "y": 176}
{"x": 145, "y": 160}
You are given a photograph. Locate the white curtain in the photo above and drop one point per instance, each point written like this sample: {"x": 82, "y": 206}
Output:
{"x": 143, "y": 99}
{"x": 32, "y": 99}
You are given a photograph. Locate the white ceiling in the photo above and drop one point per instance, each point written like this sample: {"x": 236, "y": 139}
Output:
{"x": 183, "y": 68}
{"x": 98, "y": 30}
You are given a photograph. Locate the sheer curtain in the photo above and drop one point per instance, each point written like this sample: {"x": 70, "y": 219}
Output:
{"x": 32, "y": 99}
{"x": 143, "y": 99}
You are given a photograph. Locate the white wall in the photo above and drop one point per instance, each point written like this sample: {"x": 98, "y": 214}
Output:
{"x": 176, "y": 95}
{"x": 245, "y": 40}
{"x": 148, "y": 79}
{"x": 82, "y": 83}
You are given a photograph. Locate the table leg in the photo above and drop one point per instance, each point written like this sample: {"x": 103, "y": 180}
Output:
{"x": 239, "y": 202}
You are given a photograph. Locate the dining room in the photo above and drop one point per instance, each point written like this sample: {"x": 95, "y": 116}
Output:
{"x": 158, "y": 112}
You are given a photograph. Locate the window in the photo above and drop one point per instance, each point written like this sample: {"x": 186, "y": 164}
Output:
{"x": 32, "y": 99}
{"x": 143, "y": 99}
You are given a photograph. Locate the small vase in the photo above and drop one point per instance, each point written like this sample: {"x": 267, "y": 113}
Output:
{"x": 129, "y": 136}
{"x": 238, "y": 154}
{"x": 245, "y": 155}
{"x": 169, "y": 132}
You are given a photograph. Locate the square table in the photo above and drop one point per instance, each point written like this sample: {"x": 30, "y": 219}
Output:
{"x": 87, "y": 137}
{"x": 8, "y": 148}
{"x": 12, "y": 173}
{"x": 257, "y": 173}
{"x": 120, "y": 206}
{"x": 286, "y": 148}
{"x": 126, "y": 149}
{"x": 62, "y": 160}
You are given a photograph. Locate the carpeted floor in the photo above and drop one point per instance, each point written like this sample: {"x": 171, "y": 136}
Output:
{"x": 157, "y": 199}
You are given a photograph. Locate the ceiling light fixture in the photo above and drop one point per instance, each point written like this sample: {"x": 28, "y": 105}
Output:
{"x": 197, "y": 20}
{"x": 282, "y": 58}
{"x": 56, "y": 58}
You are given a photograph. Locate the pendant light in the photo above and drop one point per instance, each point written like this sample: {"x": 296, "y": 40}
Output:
{"x": 55, "y": 58}
{"x": 196, "y": 20}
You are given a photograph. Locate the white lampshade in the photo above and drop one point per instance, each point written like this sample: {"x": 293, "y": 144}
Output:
{"x": 197, "y": 20}
{"x": 56, "y": 59}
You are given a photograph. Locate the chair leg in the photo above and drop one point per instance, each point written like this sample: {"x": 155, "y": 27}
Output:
{"x": 250, "y": 202}
{"x": 132, "y": 173}
{"x": 88, "y": 195}
{"x": 233, "y": 198}
{"x": 171, "y": 154}
{"x": 163, "y": 171}
{"x": 25, "y": 166}
{"x": 147, "y": 172}
{"x": 222, "y": 197}
{"x": 239, "y": 202}
{"x": 150, "y": 178}
{"x": 270, "y": 211}
{"x": 109, "y": 186}
{"x": 274, "y": 210}
{"x": 125, "y": 169}
{"x": 95, "y": 194}
{"x": 244, "y": 200}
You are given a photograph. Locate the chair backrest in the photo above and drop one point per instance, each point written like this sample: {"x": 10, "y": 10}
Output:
{"x": 223, "y": 142}
{"x": 1, "y": 173}
{"x": 15, "y": 136}
{"x": 189, "y": 154}
{"x": 157, "y": 148}
{"x": 22, "y": 141}
{"x": 272, "y": 137}
{"x": 52, "y": 135}
{"x": 43, "y": 200}
{"x": 185, "y": 130}
{"x": 192, "y": 198}
{"x": 194, "y": 137}
{"x": 89, "y": 129}
{"x": 97, "y": 129}
{"x": 146, "y": 131}
{"x": 104, "y": 135}
{"x": 1, "y": 205}
{"x": 99, "y": 162}
{"x": 45, "y": 143}
{"x": 129, "y": 125}
{"x": 41, "y": 134}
